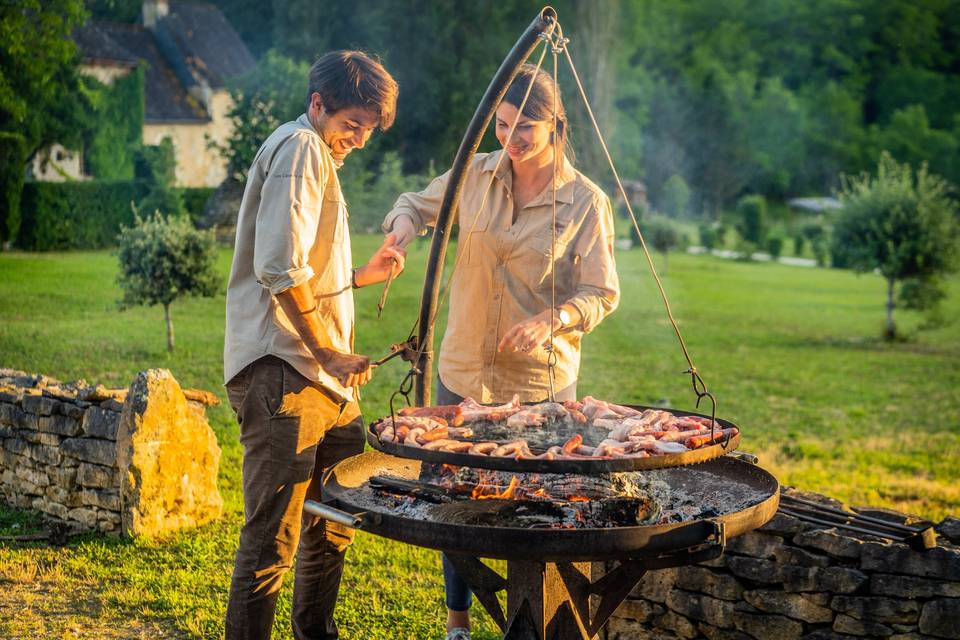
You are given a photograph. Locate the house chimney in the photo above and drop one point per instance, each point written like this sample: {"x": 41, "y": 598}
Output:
{"x": 154, "y": 10}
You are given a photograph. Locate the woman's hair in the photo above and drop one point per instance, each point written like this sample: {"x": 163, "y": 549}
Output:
{"x": 353, "y": 79}
{"x": 539, "y": 104}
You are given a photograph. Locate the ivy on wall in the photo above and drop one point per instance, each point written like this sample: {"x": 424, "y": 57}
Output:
{"x": 115, "y": 128}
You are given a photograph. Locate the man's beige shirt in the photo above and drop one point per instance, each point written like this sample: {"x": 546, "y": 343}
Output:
{"x": 504, "y": 276}
{"x": 292, "y": 229}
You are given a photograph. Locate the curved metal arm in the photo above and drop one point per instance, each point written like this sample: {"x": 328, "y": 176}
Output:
{"x": 451, "y": 197}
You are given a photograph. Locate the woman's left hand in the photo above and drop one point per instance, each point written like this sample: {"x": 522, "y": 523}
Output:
{"x": 388, "y": 258}
{"x": 529, "y": 334}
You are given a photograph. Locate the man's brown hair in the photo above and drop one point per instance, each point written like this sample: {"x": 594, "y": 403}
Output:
{"x": 353, "y": 79}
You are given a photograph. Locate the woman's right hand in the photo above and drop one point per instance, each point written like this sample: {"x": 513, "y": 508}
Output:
{"x": 404, "y": 231}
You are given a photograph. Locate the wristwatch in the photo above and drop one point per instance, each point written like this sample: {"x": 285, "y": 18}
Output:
{"x": 564, "y": 316}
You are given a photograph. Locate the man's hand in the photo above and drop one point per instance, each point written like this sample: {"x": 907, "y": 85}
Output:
{"x": 388, "y": 258}
{"x": 403, "y": 230}
{"x": 349, "y": 369}
{"x": 529, "y": 334}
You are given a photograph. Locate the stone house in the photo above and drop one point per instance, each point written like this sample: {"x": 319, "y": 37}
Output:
{"x": 188, "y": 52}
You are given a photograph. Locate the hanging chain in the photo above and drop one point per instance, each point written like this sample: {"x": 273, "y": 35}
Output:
{"x": 557, "y": 44}
{"x": 699, "y": 386}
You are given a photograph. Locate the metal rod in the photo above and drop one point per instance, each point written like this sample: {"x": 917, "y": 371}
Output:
{"x": 842, "y": 525}
{"x": 859, "y": 516}
{"x": 451, "y": 197}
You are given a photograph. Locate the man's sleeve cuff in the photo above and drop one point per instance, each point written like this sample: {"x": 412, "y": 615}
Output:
{"x": 287, "y": 280}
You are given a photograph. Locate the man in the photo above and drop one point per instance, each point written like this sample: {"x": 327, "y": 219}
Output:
{"x": 288, "y": 354}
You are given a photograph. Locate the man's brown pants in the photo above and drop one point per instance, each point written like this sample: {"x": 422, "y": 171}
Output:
{"x": 290, "y": 430}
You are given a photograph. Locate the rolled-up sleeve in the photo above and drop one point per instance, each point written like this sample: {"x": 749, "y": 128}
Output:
{"x": 289, "y": 213}
{"x": 598, "y": 287}
{"x": 422, "y": 208}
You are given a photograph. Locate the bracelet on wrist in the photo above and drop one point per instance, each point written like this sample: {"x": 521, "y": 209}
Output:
{"x": 353, "y": 278}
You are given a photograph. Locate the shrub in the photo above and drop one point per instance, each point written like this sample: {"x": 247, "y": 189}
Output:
{"x": 752, "y": 219}
{"x": 162, "y": 259}
{"x": 76, "y": 215}
{"x": 775, "y": 242}
{"x": 799, "y": 243}
{"x": 708, "y": 235}
{"x": 12, "y": 162}
{"x": 661, "y": 234}
{"x": 675, "y": 197}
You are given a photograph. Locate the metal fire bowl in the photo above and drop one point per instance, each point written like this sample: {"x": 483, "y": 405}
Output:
{"x": 587, "y": 467}
{"x": 345, "y": 486}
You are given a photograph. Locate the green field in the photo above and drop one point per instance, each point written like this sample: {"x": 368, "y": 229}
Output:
{"x": 792, "y": 354}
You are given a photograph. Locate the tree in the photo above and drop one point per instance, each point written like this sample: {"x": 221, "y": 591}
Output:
{"x": 675, "y": 197}
{"x": 752, "y": 222}
{"x": 901, "y": 223}
{"x": 163, "y": 259}
{"x": 661, "y": 234}
{"x": 40, "y": 100}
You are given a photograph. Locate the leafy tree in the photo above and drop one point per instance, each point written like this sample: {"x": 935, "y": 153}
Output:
{"x": 39, "y": 98}
{"x": 163, "y": 259}
{"x": 661, "y": 234}
{"x": 675, "y": 198}
{"x": 901, "y": 223}
{"x": 156, "y": 166}
{"x": 775, "y": 242}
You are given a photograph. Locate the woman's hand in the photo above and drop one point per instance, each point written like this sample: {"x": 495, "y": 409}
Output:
{"x": 388, "y": 258}
{"x": 529, "y": 334}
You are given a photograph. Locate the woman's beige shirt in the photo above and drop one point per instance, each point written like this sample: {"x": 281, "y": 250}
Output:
{"x": 504, "y": 276}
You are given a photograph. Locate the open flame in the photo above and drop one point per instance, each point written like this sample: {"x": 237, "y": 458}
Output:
{"x": 490, "y": 492}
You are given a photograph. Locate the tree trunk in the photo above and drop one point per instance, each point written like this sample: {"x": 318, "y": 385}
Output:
{"x": 169, "y": 319}
{"x": 891, "y": 331}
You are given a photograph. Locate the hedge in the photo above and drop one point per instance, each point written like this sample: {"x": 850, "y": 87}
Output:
{"x": 12, "y": 162}
{"x": 76, "y": 215}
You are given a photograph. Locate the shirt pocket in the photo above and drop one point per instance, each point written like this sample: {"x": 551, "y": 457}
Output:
{"x": 546, "y": 262}
{"x": 473, "y": 238}
{"x": 333, "y": 217}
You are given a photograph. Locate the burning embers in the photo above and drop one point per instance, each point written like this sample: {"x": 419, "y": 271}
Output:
{"x": 468, "y": 495}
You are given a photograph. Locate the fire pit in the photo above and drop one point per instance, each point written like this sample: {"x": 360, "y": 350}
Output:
{"x": 549, "y": 572}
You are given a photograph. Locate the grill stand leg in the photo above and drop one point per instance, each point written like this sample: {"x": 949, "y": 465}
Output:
{"x": 549, "y": 601}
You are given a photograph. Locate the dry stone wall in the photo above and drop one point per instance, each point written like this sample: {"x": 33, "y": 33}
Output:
{"x": 100, "y": 459}
{"x": 791, "y": 580}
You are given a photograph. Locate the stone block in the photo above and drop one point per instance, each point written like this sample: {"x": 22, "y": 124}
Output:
{"x": 626, "y": 629}
{"x": 796, "y": 579}
{"x": 877, "y": 609}
{"x": 783, "y": 525}
{"x": 38, "y": 405}
{"x": 49, "y": 439}
{"x": 949, "y": 528}
{"x": 112, "y": 404}
{"x": 768, "y": 627}
{"x": 939, "y": 562}
{"x": 827, "y": 634}
{"x": 24, "y": 420}
{"x": 700, "y": 607}
{"x": 655, "y": 585}
{"x": 792, "y": 605}
{"x": 801, "y": 558}
{"x": 639, "y": 610}
{"x": 157, "y": 433}
{"x": 108, "y": 516}
{"x": 96, "y": 476}
{"x": 26, "y": 487}
{"x": 108, "y": 527}
{"x": 677, "y": 624}
{"x": 10, "y": 395}
{"x": 908, "y": 636}
{"x": 59, "y": 424}
{"x": 830, "y": 542}
{"x": 941, "y": 618}
{"x": 755, "y": 569}
{"x": 756, "y": 545}
{"x": 45, "y": 505}
{"x": 92, "y": 450}
{"x": 710, "y": 582}
{"x": 17, "y": 446}
{"x": 86, "y": 517}
{"x": 6, "y": 431}
{"x": 715, "y": 633}
{"x": 47, "y": 455}
{"x": 852, "y": 626}
{"x": 63, "y": 477}
{"x": 104, "y": 499}
{"x": 886, "y": 584}
{"x": 72, "y": 410}
{"x": 7, "y": 411}
{"x": 100, "y": 423}
{"x": 68, "y": 499}
{"x": 33, "y": 476}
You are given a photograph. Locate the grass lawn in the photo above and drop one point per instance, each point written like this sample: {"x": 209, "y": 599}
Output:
{"x": 792, "y": 354}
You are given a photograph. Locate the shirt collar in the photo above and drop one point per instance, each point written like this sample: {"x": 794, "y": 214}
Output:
{"x": 304, "y": 121}
{"x": 565, "y": 181}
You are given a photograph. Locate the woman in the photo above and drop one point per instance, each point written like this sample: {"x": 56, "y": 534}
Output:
{"x": 499, "y": 324}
